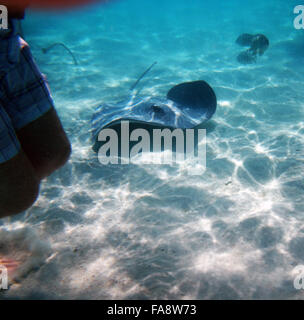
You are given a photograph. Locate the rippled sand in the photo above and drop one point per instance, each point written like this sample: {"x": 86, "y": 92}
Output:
{"x": 154, "y": 232}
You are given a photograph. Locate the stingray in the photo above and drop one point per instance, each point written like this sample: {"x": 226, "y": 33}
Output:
{"x": 185, "y": 106}
{"x": 258, "y": 45}
{"x": 245, "y": 40}
{"x": 246, "y": 57}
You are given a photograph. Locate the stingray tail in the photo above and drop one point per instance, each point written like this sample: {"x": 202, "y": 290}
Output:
{"x": 140, "y": 78}
{"x": 45, "y": 50}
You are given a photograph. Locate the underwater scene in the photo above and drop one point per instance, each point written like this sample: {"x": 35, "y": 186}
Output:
{"x": 153, "y": 231}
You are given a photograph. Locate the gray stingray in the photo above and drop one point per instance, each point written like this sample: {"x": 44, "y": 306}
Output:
{"x": 258, "y": 45}
{"x": 186, "y": 105}
{"x": 246, "y": 57}
{"x": 245, "y": 40}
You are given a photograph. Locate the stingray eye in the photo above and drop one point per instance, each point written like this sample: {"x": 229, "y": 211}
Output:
{"x": 158, "y": 110}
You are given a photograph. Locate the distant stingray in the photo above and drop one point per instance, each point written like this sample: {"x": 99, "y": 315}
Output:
{"x": 258, "y": 45}
{"x": 246, "y": 57}
{"x": 245, "y": 40}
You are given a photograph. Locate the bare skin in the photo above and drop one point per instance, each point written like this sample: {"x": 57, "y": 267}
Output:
{"x": 45, "y": 148}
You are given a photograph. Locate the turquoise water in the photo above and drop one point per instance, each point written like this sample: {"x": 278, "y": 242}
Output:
{"x": 144, "y": 231}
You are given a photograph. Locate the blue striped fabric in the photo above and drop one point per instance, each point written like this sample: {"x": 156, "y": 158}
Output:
{"x": 24, "y": 94}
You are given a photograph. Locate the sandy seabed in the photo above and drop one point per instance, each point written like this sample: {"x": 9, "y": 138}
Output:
{"x": 154, "y": 232}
